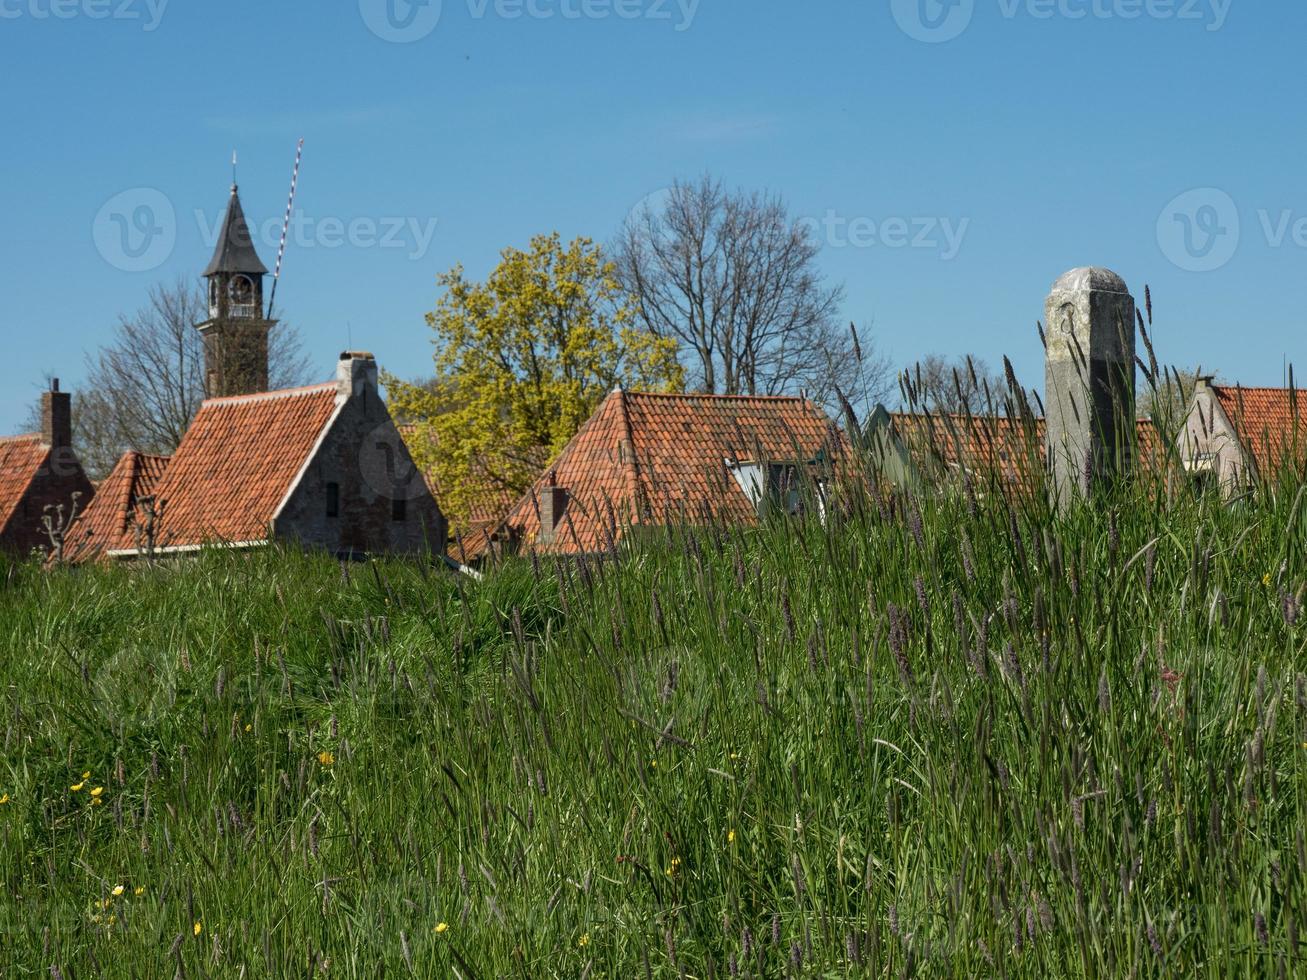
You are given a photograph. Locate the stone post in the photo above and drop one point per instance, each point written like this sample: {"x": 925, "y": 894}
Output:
{"x": 1089, "y": 381}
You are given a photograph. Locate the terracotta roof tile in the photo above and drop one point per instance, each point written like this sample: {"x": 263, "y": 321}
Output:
{"x": 652, "y": 458}
{"x": 110, "y": 513}
{"x": 1269, "y": 422}
{"x": 21, "y": 459}
{"x": 236, "y": 464}
{"x": 997, "y": 445}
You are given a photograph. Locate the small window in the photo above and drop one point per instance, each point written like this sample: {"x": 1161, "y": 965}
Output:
{"x": 399, "y": 510}
{"x": 333, "y": 499}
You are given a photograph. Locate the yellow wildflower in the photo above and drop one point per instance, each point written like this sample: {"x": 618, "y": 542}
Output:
{"x": 674, "y": 867}
{"x": 97, "y": 791}
{"x": 584, "y": 941}
{"x": 1266, "y": 580}
{"x": 441, "y": 927}
{"x": 139, "y": 890}
{"x": 326, "y": 758}
{"x": 104, "y": 903}
{"x": 249, "y": 728}
{"x": 197, "y": 928}
{"x": 96, "y": 802}
{"x": 117, "y": 890}
{"x": 730, "y": 837}
{"x": 77, "y": 787}
{"x": 86, "y": 775}
{"x": 4, "y": 799}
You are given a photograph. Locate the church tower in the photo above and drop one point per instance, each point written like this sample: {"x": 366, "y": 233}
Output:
{"x": 236, "y": 333}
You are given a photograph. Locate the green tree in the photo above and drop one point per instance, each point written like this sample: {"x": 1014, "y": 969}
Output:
{"x": 521, "y": 361}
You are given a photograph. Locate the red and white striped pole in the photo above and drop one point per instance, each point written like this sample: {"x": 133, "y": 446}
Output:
{"x": 285, "y": 228}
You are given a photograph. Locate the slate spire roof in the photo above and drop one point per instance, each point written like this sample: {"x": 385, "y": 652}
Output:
{"x": 235, "y": 249}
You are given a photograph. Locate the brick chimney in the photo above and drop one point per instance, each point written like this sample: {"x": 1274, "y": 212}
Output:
{"x": 356, "y": 374}
{"x": 553, "y": 501}
{"x": 56, "y": 417}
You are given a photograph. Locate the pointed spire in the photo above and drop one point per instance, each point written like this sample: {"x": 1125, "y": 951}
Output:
{"x": 235, "y": 250}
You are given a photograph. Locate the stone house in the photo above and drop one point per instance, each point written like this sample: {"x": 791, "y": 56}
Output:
{"x": 1234, "y": 435}
{"x": 650, "y": 460}
{"x": 37, "y": 471}
{"x": 322, "y": 466}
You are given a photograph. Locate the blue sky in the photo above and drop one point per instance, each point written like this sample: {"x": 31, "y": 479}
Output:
{"x": 952, "y": 178}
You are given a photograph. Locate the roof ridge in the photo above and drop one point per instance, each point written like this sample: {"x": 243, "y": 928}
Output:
{"x": 1283, "y": 389}
{"x": 630, "y": 469}
{"x": 271, "y": 395}
{"x": 714, "y": 397}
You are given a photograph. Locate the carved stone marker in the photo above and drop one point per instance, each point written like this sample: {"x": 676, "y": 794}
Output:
{"x": 1089, "y": 378}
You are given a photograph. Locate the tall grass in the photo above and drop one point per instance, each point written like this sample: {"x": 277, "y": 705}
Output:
{"x": 944, "y": 736}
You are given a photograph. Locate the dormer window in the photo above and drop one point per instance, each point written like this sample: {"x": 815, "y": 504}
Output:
{"x": 781, "y": 487}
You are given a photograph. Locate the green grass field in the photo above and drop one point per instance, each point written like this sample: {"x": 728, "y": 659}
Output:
{"x": 943, "y": 738}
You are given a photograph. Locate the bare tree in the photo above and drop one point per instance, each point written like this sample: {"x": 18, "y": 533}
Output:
{"x": 966, "y": 384}
{"x": 144, "y": 386}
{"x": 733, "y": 278}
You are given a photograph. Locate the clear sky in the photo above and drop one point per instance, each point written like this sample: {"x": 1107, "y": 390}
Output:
{"x": 957, "y": 156}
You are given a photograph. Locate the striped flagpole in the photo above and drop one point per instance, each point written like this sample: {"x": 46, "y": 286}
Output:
{"x": 285, "y": 228}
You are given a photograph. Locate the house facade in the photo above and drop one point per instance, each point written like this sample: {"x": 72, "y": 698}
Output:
{"x": 37, "y": 471}
{"x": 1232, "y": 435}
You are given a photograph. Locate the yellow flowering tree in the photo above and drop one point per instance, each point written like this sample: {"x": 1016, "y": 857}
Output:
{"x": 522, "y": 360}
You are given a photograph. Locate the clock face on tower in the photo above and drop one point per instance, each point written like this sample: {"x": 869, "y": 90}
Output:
{"x": 241, "y": 291}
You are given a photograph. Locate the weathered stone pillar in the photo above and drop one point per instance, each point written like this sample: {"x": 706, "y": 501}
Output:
{"x": 1089, "y": 378}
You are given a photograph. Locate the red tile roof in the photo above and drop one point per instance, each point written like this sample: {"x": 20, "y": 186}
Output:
{"x": 652, "y": 458}
{"x": 111, "y": 512}
{"x": 1269, "y": 422}
{"x": 235, "y": 465}
{"x": 21, "y": 459}
{"x": 996, "y": 445}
